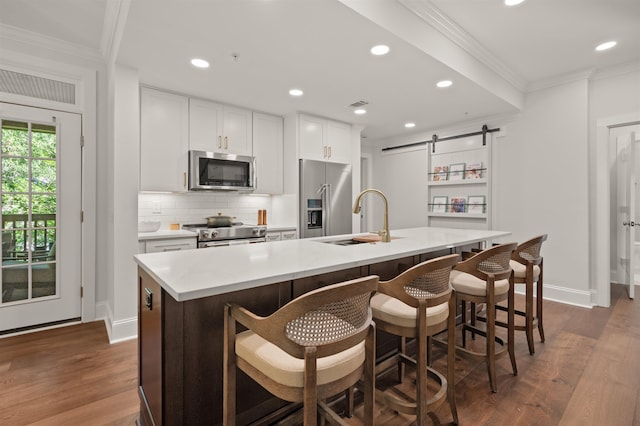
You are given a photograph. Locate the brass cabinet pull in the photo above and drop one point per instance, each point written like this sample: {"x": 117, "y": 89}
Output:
{"x": 329, "y": 152}
{"x": 184, "y": 179}
{"x": 226, "y": 142}
{"x": 219, "y": 141}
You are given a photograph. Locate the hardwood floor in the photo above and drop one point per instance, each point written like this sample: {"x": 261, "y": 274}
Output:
{"x": 587, "y": 373}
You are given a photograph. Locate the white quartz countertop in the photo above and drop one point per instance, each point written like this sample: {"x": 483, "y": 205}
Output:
{"x": 192, "y": 274}
{"x": 165, "y": 234}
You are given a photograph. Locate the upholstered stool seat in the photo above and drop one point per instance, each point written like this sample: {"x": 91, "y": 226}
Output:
{"x": 418, "y": 303}
{"x": 469, "y": 284}
{"x": 288, "y": 370}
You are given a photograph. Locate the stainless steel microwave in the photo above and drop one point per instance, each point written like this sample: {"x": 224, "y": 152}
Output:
{"x": 217, "y": 171}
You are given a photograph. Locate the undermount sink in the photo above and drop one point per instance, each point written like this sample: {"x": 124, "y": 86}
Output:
{"x": 349, "y": 242}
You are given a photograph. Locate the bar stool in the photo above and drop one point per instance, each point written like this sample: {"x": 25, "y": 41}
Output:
{"x": 314, "y": 347}
{"x": 487, "y": 278}
{"x": 419, "y": 303}
{"x": 526, "y": 263}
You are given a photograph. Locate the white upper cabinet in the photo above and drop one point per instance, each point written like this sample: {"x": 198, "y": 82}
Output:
{"x": 219, "y": 128}
{"x": 338, "y": 142}
{"x": 267, "y": 149}
{"x": 164, "y": 141}
{"x": 324, "y": 140}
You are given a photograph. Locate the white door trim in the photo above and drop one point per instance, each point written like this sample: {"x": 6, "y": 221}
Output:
{"x": 601, "y": 242}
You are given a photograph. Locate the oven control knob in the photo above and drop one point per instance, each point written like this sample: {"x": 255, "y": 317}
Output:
{"x": 214, "y": 233}
{"x": 256, "y": 231}
{"x": 204, "y": 234}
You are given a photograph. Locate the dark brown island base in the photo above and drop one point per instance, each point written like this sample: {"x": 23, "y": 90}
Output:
{"x": 182, "y": 297}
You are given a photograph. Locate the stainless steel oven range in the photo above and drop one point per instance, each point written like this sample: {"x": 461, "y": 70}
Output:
{"x": 227, "y": 235}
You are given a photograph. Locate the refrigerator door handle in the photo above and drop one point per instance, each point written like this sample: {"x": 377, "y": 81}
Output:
{"x": 327, "y": 215}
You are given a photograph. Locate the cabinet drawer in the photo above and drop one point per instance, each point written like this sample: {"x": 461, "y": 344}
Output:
{"x": 273, "y": 236}
{"x": 170, "y": 245}
{"x": 289, "y": 235}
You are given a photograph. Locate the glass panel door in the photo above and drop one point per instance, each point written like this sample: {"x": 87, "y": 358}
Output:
{"x": 40, "y": 212}
{"x": 29, "y": 206}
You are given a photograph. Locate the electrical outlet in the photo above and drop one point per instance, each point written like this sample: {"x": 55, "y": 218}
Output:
{"x": 155, "y": 208}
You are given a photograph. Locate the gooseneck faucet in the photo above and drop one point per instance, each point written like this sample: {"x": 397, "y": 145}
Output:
{"x": 386, "y": 236}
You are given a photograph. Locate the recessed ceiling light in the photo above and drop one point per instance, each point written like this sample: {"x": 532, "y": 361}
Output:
{"x": 200, "y": 63}
{"x": 409, "y": 125}
{"x": 512, "y": 2}
{"x": 296, "y": 92}
{"x": 360, "y": 111}
{"x": 605, "y": 46}
{"x": 380, "y": 49}
{"x": 444, "y": 83}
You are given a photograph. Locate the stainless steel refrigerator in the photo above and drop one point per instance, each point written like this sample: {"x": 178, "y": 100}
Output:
{"x": 325, "y": 199}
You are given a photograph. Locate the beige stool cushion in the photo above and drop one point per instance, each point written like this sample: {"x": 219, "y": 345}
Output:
{"x": 393, "y": 311}
{"x": 283, "y": 368}
{"x": 469, "y": 284}
{"x": 520, "y": 270}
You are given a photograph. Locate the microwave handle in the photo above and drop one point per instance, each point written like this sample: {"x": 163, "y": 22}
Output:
{"x": 254, "y": 178}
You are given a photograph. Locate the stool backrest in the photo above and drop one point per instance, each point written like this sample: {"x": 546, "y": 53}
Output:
{"x": 427, "y": 281}
{"x": 529, "y": 251}
{"x": 493, "y": 262}
{"x": 331, "y": 318}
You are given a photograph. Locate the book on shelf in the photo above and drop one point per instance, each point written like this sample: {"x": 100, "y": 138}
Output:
{"x": 476, "y": 204}
{"x": 439, "y": 173}
{"x": 457, "y": 204}
{"x": 456, "y": 171}
{"x": 473, "y": 171}
{"x": 439, "y": 204}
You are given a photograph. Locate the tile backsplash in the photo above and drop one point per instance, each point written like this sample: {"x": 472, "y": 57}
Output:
{"x": 194, "y": 207}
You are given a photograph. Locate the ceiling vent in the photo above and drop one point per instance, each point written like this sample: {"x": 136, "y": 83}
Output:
{"x": 37, "y": 87}
{"x": 358, "y": 104}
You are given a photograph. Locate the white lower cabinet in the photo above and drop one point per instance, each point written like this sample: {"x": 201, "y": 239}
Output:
{"x": 282, "y": 235}
{"x": 170, "y": 244}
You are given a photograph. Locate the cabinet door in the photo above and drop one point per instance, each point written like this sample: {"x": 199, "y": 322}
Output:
{"x": 164, "y": 141}
{"x": 237, "y": 131}
{"x": 150, "y": 346}
{"x": 205, "y": 126}
{"x": 312, "y": 137}
{"x": 338, "y": 142}
{"x": 267, "y": 148}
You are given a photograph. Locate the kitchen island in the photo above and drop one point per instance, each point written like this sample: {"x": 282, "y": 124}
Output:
{"x": 182, "y": 295}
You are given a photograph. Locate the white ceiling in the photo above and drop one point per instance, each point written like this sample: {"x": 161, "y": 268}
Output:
{"x": 322, "y": 47}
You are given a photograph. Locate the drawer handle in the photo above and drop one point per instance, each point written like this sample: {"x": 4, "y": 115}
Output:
{"x": 149, "y": 298}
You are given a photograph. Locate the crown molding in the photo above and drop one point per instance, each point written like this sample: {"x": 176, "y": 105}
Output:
{"x": 560, "y": 80}
{"x": 616, "y": 70}
{"x": 20, "y": 35}
{"x": 426, "y": 11}
{"x": 115, "y": 18}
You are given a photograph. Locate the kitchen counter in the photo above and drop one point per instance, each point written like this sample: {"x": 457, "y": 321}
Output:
{"x": 193, "y": 274}
{"x": 164, "y": 234}
{"x": 182, "y": 295}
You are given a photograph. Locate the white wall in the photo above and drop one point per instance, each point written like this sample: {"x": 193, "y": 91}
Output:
{"x": 540, "y": 182}
{"x": 123, "y": 203}
{"x": 541, "y": 185}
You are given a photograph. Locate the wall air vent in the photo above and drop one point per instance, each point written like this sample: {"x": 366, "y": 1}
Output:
{"x": 37, "y": 87}
{"x": 358, "y": 104}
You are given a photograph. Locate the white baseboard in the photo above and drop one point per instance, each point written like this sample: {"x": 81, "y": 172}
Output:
{"x": 569, "y": 296}
{"x": 120, "y": 330}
